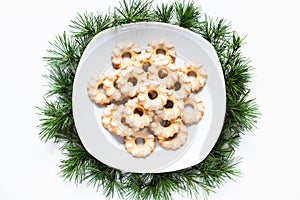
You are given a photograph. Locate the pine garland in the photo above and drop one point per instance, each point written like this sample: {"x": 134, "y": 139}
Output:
{"x": 57, "y": 124}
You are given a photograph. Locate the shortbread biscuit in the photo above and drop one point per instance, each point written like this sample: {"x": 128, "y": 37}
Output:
{"x": 110, "y": 85}
{"x": 123, "y": 54}
{"x": 113, "y": 119}
{"x": 197, "y": 75}
{"x": 163, "y": 72}
{"x": 196, "y": 103}
{"x": 176, "y": 141}
{"x": 162, "y": 49}
{"x": 165, "y": 128}
{"x": 130, "y": 80}
{"x": 182, "y": 87}
{"x": 152, "y": 96}
{"x": 136, "y": 115}
{"x": 143, "y": 150}
{"x": 94, "y": 88}
{"x": 172, "y": 109}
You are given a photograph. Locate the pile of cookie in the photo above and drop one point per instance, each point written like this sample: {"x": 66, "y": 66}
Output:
{"x": 146, "y": 94}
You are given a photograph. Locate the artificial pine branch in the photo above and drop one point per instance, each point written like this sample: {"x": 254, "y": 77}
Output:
{"x": 57, "y": 124}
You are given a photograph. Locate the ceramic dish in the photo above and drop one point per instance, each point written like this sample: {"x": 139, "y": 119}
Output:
{"x": 108, "y": 148}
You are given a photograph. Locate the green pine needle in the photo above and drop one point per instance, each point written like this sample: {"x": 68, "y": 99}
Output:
{"x": 73, "y": 167}
{"x": 132, "y": 11}
{"x": 87, "y": 25}
{"x": 163, "y": 13}
{"x": 216, "y": 31}
{"x": 84, "y": 25}
{"x": 59, "y": 82}
{"x": 64, "y": 52}
{"x": 57, "y": 123}
{"x": 187, "y": 14}
{"x": 106, "y": 178}
{"x": 243, "y": 112}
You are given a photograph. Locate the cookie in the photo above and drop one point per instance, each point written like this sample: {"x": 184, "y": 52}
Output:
{"x": 130, "y": 80}
{"x": 176, "y": 141}
{"x": 165, "y": 128}
{"x": 152, "y": 96}
{"x": 140, "y": 150}
{"x": 182, "y": 87}
{"x": 113, "y": 119}
{"x": 123, "y": 54}
{"x": 111, "y": 87}
{"x": 194, "y": 116}
{"x": 164, "y": 72}
{"x": 197, "y": 75}
{"x": 172, "y": 109}
{"x": 136, "y": 115}
{"x": 162, "y": 49}
{"x": 96, "y": 91}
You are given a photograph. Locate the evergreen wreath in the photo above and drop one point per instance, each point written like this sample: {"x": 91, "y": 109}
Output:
{"x": 57, "y": 124}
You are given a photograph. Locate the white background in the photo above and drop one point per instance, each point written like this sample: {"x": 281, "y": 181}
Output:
{"x": 29, "y": 168}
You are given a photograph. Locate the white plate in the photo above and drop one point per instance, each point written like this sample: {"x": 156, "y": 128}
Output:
{"x": 108, "y": 148}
